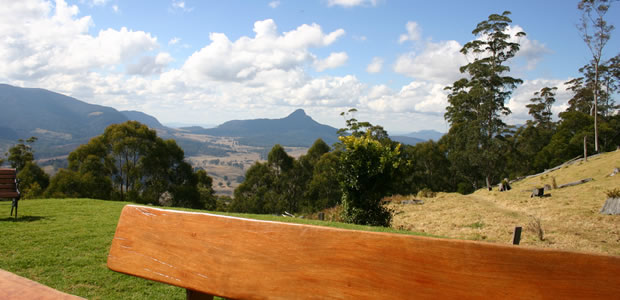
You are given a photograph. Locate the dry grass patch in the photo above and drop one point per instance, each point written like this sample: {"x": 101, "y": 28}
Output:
{"x": 569, "y": 218}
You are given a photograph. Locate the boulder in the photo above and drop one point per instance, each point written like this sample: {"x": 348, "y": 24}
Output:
{"x": 611, "y": 207}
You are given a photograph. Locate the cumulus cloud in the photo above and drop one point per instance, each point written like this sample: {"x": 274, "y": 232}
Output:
{"x": 438, "y": 62}
{"x": 531, "y": 51}
{"x": 56, "y": 40}
{"x": 334, "y": 60}
{"x": 274, "y": 4}
{"x": 413, "y": 33}
{"x": 416, "y": 97}
{"x": 150, "y": 65}
{"x": 524, "y": 92}
{"x": 351, "y": 3}
{"x": 375, "y": 65}
{"x": 243, "y": 59}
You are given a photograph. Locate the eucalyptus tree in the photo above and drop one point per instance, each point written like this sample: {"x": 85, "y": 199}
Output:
{"x": 540, "y": 108}
{"x": 595, "y": 32}
{"x": 477, "y": 101}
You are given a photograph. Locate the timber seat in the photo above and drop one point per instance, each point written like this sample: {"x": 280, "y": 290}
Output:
{"x": 251, "y": 259}
{"x": 9, "y": 187}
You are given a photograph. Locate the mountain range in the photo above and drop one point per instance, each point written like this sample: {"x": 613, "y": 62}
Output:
{"x": 296, "y": 130}
{"x": 62, "y": 123}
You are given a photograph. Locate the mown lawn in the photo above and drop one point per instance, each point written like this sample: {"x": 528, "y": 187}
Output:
{"x": 64, "y": 243}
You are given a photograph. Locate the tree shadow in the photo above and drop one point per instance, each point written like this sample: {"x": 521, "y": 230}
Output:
{"x": 22, "y": 219}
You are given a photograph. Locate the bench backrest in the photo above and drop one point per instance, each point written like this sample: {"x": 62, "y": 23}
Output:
{"x": 250, "y": 259}
{"x": 8, "y": 187}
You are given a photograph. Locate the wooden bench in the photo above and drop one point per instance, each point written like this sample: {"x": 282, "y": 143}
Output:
{"x": 9, "y": 187}
{"x": 251, "y": 259}
{"x": 16, "y": 288}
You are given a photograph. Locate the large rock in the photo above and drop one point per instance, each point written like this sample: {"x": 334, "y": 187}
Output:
{"x": 611, "y": 207}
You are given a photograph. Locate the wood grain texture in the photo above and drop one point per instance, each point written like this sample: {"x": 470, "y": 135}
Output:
{"x": 17, "y": 288}
{"x": 250, "y": 259}
{"x": 7, "y": 171}
{"x": 6, "y": 194}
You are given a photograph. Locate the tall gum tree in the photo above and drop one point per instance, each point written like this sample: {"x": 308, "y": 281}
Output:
{"x": 595, "y": 32}
{"x": 477, "y": 102}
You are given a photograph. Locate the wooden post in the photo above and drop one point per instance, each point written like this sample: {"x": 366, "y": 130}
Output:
{"x": 516, "y": 238}
{"x": 322, "y": 216}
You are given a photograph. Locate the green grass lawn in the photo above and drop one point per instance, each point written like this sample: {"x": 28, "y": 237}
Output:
{"x": 64, "y": 243}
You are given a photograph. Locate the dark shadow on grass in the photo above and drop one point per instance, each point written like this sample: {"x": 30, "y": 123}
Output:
{"x": 22, "y": 219}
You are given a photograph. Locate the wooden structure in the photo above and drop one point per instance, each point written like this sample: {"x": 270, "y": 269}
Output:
{"x": 251, "y": 259}
{"x": 9, "y": 187}
{"x": 16, "y": 288}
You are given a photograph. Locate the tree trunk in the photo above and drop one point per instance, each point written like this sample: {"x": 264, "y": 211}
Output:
{"x": 596, "y": 107}
{"x": 585, "y": 149}
{"x": 489, "y": 183}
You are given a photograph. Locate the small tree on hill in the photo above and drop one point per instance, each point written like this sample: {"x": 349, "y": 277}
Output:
{"x": 365, "y": 169}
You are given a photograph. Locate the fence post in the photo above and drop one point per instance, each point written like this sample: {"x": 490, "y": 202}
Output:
{"x": 516, "y": 238}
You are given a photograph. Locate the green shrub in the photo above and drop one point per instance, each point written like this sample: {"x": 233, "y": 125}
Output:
{"x": 426, "y": 193}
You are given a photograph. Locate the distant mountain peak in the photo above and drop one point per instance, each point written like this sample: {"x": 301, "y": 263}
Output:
{"x": 299, "y": 113}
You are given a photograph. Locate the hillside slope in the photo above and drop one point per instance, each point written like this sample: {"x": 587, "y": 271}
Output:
{"x": 44, "y": 114}
{"x": 570, "y": 217}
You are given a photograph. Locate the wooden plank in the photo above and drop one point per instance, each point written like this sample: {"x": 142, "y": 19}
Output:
{"x": 5, "y": 194}
{"x": 7, "y": 180}
{"x": 5, "y": 171}
{"x": 7, "y": 186}
{"x": 17, "y": 288}
{"x": 8, "y": 176}
{"x": 250, "y": 259}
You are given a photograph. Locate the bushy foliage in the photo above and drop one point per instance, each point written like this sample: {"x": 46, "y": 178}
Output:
{"x": 427, "y": 193}
{"x": 32, "y": 180}
{"x": 284, "y": 183}
{"x": 21, "y": 153}
{"x": 129, "y": 162}
{"x": 365, "y": 171}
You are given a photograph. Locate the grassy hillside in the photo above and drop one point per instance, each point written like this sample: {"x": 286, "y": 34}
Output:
{"x": 569, "y": 218}
{"x": 64, "y": 243}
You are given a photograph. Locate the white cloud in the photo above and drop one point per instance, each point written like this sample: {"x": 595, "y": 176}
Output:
{"x": 351, "y": 3}
{"x": 56, "y": 40}
{"x": 98, "y": 2}
{"x": 178, "y": 4}
{"x": 334, "y": 60}
{"x": 181, "y": 5}
{"x": 375, "y": 65}
{"x": 150, "y": 65}
{"x": 115, "y": 8}
{"x": 416, "y": 97}
{"x": 531, "y": 51}
{"x": 245, "y": 58}
{"x": 413, "y": 33}
{"x": 438, "y": 62}
{"x": 524, "y": 92}
{"x": 174, "y": 41}
{"x": 274, "y": 4}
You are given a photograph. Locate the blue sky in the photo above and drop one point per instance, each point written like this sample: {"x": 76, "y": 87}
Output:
{"x": 206, "y": 62}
